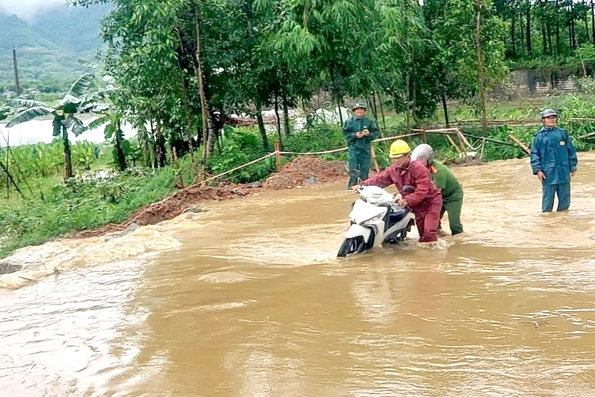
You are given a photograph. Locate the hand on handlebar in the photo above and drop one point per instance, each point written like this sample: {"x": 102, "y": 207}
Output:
{"x": 402, "y": 202}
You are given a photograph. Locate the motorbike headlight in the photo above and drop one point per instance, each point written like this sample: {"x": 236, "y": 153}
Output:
{"x": 374, "y": 218}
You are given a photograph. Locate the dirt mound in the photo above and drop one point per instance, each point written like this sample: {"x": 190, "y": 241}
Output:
{"x": 302, "y": 171}
{"x": 306, "y": 170}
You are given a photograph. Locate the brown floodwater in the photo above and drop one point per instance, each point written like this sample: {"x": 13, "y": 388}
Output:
{"x": 248, "y": 299}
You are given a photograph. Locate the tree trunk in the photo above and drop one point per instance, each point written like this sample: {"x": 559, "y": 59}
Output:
{"x": 339, "y": 110}
{"x": 407, "y": 93}
{"x": 263, "y": 131}
{"x": 67, "y": 158}
{"x": 512, "y": 35}
{"x": 543, "y": 39}
{"x": 558, "y": 48}
{"x": 543, "y": 30}
{"x": 119, "y": 150}
{"x": 201, "y": 91}
{"x": 278, "y": 120}
{"x": 382, "y": 112}
{"x": 445, "y": 109}
{"x": 549, "y": 38}
{"x": 285, "y": 115}
{"x": 593, "y": 19}
{"x": 528, "y": 29}
{"x": 586, "y": 18}
{"x": 522, "y": 34}
{"x": 414, "y": 104}
{"x": 480, "y": 76}
{"x": 571, "y": 35}
{"x": 159, "y": 148}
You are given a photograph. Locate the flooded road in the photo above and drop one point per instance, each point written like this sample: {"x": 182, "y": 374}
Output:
{"x": 247, "y": 299}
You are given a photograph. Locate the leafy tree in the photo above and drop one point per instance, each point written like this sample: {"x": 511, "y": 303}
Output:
{"x": 453, "y": 62}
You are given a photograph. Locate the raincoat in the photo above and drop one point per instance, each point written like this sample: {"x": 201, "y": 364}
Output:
{"x": 359, "y": 148}
{"x": 553, "y": 153}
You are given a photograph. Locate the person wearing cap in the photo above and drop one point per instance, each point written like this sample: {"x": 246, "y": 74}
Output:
{"x": 425, "y": 202}
{"x": 359, "y": 132}
{"x": 444, "y": 179}
{"x": 553, "y": 161}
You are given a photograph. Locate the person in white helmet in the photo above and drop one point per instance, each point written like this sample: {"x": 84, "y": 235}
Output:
{"x": 444, "y": 179}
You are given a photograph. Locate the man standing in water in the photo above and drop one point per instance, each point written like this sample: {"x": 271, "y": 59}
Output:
{"x": 425, "y": 202}
{"x": 359, "y": 132}
{"x": 444, "y": 179}
{"x": 553, "y": 160}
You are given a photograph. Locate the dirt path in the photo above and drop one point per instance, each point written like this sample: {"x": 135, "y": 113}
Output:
{"x": 302, "y": 171}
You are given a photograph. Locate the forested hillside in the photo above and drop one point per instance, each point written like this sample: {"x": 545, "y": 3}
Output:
{"x": 49, "y": 47}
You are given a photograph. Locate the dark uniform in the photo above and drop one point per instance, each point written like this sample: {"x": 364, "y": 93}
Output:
{"x": 359, "y": 148}
{"x": 553, "y": 153}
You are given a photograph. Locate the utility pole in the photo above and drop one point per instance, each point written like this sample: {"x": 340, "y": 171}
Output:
{"x": 17, "y": 87}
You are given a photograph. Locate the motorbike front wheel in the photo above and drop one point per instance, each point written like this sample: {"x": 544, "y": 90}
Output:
{"x": 351, "y": 245}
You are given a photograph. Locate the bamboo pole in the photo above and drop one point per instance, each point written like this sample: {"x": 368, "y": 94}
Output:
{"x": 521, "y": 144}
{"x": 453, "y": 143}
{"x": 374, "y": 160}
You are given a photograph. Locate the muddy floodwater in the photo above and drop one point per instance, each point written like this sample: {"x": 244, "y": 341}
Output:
{"x": 248, "y": 299}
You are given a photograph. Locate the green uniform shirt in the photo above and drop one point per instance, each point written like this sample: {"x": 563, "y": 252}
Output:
{"x": 353, "y": 125}
{"x": 445, "y": 180}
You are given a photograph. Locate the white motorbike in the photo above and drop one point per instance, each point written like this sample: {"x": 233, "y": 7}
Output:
{"x": 376, "y": 219}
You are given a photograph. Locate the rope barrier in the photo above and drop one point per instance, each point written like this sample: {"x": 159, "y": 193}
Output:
{"x": 280, "y": 152}
{"x": 235, "y": 169}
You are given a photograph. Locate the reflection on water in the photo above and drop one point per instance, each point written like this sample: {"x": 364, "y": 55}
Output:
{"x": 248, "y": 299}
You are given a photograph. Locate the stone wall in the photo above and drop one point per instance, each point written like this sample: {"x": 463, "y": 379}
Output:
{"x": 537, "y": 82}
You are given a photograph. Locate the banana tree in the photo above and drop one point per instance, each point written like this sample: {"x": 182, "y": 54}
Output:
{"x": 64, "y": 115}
{"x": 112, "y": 119}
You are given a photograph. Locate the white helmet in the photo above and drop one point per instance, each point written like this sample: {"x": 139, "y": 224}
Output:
{"x": 424, "y": 150}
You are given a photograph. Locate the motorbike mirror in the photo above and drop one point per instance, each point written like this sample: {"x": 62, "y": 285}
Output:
{"x": 408, "y": 189}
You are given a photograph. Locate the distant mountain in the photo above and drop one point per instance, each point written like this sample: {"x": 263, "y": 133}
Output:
{"x": 50, "y": 46}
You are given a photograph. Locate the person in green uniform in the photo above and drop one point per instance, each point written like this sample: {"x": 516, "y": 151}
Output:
{"x": 359, "y": 132}
{"x": 444, "y": 179}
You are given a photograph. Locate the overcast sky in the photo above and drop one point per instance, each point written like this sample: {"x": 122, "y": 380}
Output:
{"x": 27, "y": 9}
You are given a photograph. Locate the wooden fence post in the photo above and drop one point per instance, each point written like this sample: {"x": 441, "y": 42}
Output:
{"x": 375, "y": 162}
{"x": 277, "y": 147}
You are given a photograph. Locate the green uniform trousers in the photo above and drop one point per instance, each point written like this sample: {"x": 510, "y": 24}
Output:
{"x": 453, "y": 207}
{"x": 359, "y": 164}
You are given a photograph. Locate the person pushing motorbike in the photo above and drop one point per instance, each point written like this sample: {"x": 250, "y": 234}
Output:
{"x": 444, "y": 179}
{"x": 425, "y": 201}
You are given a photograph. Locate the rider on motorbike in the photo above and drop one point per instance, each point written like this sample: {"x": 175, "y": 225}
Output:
{"x": 425, "y": 202}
